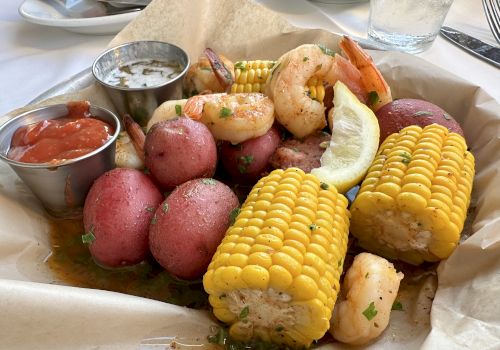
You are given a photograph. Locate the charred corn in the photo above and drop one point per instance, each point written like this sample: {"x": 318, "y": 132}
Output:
{"x": 275, "y": 276}
{"x": 413, "y": 202}
{"x": 251, "y": 76}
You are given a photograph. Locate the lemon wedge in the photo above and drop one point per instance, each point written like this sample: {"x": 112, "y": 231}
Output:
{"x": 354, "y": 142}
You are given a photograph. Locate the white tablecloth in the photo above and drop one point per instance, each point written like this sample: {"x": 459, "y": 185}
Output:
{"x": 33, "y": 58}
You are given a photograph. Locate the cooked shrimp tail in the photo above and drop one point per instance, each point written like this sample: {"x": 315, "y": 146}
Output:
{"x": 373, "y": 81}
{"x": 194, "y": 105}
{"x": 369, "y": 289}
{"x": 222, "y": 73}
{"x": 136, "y": 135}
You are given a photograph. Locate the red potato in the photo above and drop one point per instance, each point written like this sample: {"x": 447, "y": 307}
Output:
{"x": 404, "y": 112}
{"x": 179, "y": 150}
{"x": 116, "y": 216}
{"x": 189, "y": 225}
{"x": 245, "y": 162}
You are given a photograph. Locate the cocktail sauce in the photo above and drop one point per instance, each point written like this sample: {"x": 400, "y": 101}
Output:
{"x": 57, "y": 140}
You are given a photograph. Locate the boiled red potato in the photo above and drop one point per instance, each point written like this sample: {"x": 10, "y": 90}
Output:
{"x": 190, "y": 224}
{"x": 179, "y": 150}
{"x": 245, "y": 162}
{"x": 116, "y": 216}
{"x": 401, "y": 113}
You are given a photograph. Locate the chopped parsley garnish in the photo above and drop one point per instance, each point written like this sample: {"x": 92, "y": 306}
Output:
{"x": 89, "y": 236}
{"x": 406, "y": 157}
{"x": 244, "y": 313}
{"x": 421, "y": 113}
{"x": 225, "y": 112}
{"x": 233, "y": 214}
{"x": 373, "y": 98}
{"x": 305, "y": 59}
{"x": 247, "y": 159}
{"x": 219, "y": 337}
{"x": 241, "y": 66}
{"x": 154, "y": 220}
{"x": 178, "y": 110}
{"x": 318, "y": 67}
{"x": 326, "y": 50}
{"x": 370, "y": 312}
{"x": 324, "y": 186}
{"x": 313, "y": 227}
{"x": 397, "y": 306}
{"x": 206, "y": 68}
{"x": 279, "y": 328}
{"x": 367, "y": 274}
{"x": 339, "y": 264}
{"x": 165, "y": 207}
{"x": 208, "y": 181}
{"x": 150, "y": 209}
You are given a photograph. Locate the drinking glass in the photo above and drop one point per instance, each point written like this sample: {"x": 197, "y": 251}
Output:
{"x": 407, "y": 25}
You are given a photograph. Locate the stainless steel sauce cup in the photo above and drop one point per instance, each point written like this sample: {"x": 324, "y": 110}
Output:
{"x": 141, "y": 102}
{"x": 61, "y": 188}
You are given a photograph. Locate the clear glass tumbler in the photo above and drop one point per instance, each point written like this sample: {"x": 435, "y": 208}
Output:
{"x": 407, "y": 25}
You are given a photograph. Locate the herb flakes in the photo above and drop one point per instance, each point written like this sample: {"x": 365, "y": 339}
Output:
{"x": 370, "y": 312}
{"x": 164, "y": 207}
{"x": 89, "y": 237}
{"x": 397, "y": 306}
{"x": 241, "y": 66}
{"x": 244, "y": 314}
{"x": 225, "y": 112}
{"x": 324, "y": 186}
{"x": 326, "y": 50}
{"x": 178, "y": 110}
{"x": 208, "y": 181}
{"x": 373, "y": 98}
{"x": 421, "y": 113}
{"x": 233, "y": 215}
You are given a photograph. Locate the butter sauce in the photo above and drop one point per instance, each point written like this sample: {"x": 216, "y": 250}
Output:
{"x": 143, "y": 73}
{"x": 72, "y": 264}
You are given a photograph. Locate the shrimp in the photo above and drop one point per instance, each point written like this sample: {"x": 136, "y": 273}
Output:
{"x": 372, "y": 79}
{"x": 130, "y": 145}
{"x": 287, "y": 85}
{"x": 370, "y": 287}
{"x": 202, "y": 77}
{"x": 232, "y": 117}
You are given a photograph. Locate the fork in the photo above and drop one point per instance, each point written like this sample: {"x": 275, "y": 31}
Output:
{"x": 492, "y": 11}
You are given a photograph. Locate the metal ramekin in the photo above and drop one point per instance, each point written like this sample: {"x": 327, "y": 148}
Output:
{"x": 61, "y": 188}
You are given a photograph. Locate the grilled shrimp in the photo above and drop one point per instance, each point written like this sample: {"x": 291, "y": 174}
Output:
{"x": 372, "y": 79}
{"x": 370, "y": 287}
{"x": 234, "y": 117}
{"x": 206, "y": 76}
{"x": 295, "y": 108}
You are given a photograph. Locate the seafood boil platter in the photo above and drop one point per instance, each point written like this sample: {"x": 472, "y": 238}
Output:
{"x": 305, "y": 193}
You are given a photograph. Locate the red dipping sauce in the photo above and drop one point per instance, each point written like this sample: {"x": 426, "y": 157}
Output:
{"x": 56, "y": 140}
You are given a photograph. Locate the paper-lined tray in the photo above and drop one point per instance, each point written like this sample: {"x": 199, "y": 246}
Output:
{"x": 38, "y": 312}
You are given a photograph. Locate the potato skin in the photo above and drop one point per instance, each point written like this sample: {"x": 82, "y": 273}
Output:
{"x": 189, "y": 225}
{"x": 245, "y": 162}
{"x": 179, "y": 150}
{"x": 118, "y": 210}
{"x": 401, "y": 113}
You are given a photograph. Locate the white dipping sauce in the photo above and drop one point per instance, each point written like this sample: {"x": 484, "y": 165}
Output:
{"x": 143, "y": 73}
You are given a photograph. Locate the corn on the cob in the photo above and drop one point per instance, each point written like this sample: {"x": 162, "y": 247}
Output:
{"x": 275, "y": 276}
{"x": 251, "y": 76}
{"x": 413, "y": 202}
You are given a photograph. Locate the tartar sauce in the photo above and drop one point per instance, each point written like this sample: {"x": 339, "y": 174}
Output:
{"x": 143, "y": 73}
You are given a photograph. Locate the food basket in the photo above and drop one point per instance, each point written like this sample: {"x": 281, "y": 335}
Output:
{"x": 39, "y": 311}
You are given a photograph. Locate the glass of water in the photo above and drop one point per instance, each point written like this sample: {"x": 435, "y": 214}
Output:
{"x": 407, "y": 25}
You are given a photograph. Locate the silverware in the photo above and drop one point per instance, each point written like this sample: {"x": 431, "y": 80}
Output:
{"x": 89, "y": 8}
{"x": 472, "y": 45}
{"x": 492, "y": 11}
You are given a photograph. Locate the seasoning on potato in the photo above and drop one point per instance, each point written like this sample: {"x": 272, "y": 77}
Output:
{"x": 189, "y": 225}
{"x": 398, "y": 114}
{"x": 179, "y": 150}
{"x": 116, "y": 217}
